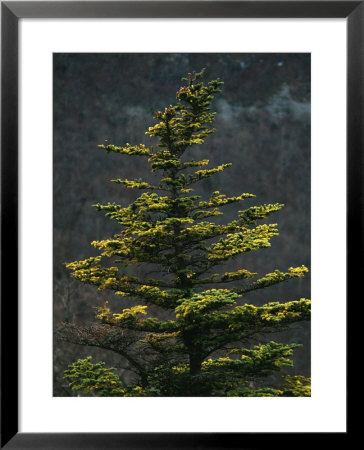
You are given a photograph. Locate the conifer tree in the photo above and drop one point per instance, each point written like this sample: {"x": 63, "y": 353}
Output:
{"x": 190, "y": 330}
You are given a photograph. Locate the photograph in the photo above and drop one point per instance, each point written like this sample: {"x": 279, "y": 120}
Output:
{"x": 181, "y": 224}
{"x": 180, "y": 180}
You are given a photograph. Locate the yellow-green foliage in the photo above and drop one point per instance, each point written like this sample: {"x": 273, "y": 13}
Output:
{"x": 134, "y": 184}
{"x": 184, "y": 337}
{"x": 262, "y": 359}
{"x": 89, "y": 377}
{"x": 238, "y": 275}
{"x": 297, "y": 386}
{"x": 276, "y": 277}
{"x": 103, "y": 277}
{"x": 294, "y": 386}
{"x": 126, "y": 314}
{"x": 254, "y": 213}
{"x": 127, "y": 149}
{"x": 218, "y": 199}
{"x": 84, "y": 375}
{"x": 205, "y": 301}
{"x": 247, "y": 316}
{"x": 245, "y": 241}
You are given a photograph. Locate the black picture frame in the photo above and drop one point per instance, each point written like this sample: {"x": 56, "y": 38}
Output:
{"x": 11, "y": 12}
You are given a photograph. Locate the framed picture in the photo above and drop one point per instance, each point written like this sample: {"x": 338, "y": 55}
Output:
{"x": 82, "y": 79}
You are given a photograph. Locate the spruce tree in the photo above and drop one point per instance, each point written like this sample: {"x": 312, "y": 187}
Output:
{"x": 190, "y": 330}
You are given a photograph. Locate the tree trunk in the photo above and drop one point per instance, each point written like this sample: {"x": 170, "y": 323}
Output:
{"x": 195, "y": 364}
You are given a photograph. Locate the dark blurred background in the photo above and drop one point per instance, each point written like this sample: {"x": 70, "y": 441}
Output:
{"x": 263, "y": 128}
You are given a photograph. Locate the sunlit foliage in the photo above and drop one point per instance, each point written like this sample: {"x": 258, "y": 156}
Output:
{"x": 200, "y": 345}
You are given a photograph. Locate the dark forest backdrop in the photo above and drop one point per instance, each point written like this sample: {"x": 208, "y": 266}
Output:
{"x": 263, "y": 128}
